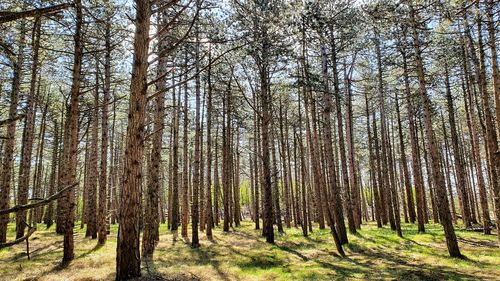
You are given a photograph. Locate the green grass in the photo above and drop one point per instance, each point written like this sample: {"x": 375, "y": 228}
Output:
{"x": 242, "y": 254}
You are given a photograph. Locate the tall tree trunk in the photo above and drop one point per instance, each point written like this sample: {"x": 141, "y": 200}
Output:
{"x": 9, "y": 144}
{"x": 327, "y": 135}
{"x": 492, "y": 135}
{"x": 128, "y": 257}
{"x": 195, "y": 215}
{"x": 226, "y": 155}
{"x": 103, "y": 175}
{"x": 415, "y": 155}
{"x": 236, "y": 183}
{"x": 256, "y": 154}
{"x": 49, "y": 211}
{"x": 437, "y": 176}
{"x": 459, "y": 160}
{"x": 404, "y": 164}
{"x": 151, "y": 217}
{"x": 174, "y": 186}
{"x": 471, "y": 122}
{"x": 446, "y": 162}
{"x": 266, "y": 102}
{"x": 284, "y": 154}
{"x": 93, "y": 169}
{"x": 37, "y": 177}
{"x": 185, "y": 171}
{"x": 387, "y": 184}
{"x": 28, "y": 134}
{"x": 208, "y": 193}
{"x": 373, "y": 174}
{"x": 216, "y": 179}
{"x": 276, "y": 193}
{"x": 70, "y": 150}
{"x": 356, "y": 202}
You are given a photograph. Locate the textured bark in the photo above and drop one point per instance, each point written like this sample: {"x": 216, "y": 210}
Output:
{"x": 226, "y": 156}
{"x": 28, "y": 134}
{"x": 459, "y": 160}
{"x": 303, "y": 198}
{"x": 437, "y": 176}
{"x": 284, "y": 154}
{"x": 376, "y": 147}
{"x": 356, "y": 200}
{"x": 415, "y": 155}
{"x": 151, "y": 216}
{"x": 387, "y": 184}
{"x": 312, "y": 132}
{"x": 174, "y": 192}
{"x": 103, "y": 173}
{"x": 112, "y": 172}
{"x": 93, "y": 169}
{"x": 185, "y": 172}
{"x": 128, "y": 256}
{"x": 208, "y": 196}
{"x": 236, "y": 181}
{"x": 392, "y": 178}
{"x": 471, "y": 123}
{"x": 445, "y": 162}
{"x": 373, "y": 167}
{"x": 313, "y": 138}
{"x": 404, "y": 164}
{"x": 195, "y": 215}
{"x": 216, "y": 181}
{"x": 255, "y": 142}
{"x": 8, "y": 145}
{"x": 276, "y": 193}
{"x": 36, "y": 214}
{"x": 49, "y": 211}
{"x": 70, "y": 149}
{"x": 327, "y": 136}
{"x": 336, "y": 215}
{"x": 495, "y": 153}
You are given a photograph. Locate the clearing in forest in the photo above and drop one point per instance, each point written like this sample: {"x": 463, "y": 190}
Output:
{"x": 243, "y": 254}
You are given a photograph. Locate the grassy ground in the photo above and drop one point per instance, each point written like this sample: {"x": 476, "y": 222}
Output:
{"x": 242, "y": 254}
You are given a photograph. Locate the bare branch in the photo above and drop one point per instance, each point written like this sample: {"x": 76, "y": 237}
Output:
{"x": 39, "y": 203}
{"x": 12, "y": 16}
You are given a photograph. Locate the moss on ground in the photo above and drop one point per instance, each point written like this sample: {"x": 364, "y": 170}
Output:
{"x": 243, "y": 254}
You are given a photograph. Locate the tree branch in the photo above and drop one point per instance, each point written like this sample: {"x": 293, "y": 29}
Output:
{"x": 18, "y": 240}
{"x": 12, "y": 16}
{"x": 10, "y": 120}
{"x": 39, "y": 203}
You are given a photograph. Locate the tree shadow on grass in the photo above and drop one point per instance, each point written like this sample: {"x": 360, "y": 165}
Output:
{"x": 87, "y": 253}
{"x": 207, "y": 256}
{"x": 198, "y": 257}
{"x": 402, "y": 269}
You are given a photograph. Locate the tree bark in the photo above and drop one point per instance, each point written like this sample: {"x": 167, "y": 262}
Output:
{"x": 28, "y": 134}
{"x": 128, "y": 256}
{"x": 8, "y": 146}
{"x": 437, "y": 176}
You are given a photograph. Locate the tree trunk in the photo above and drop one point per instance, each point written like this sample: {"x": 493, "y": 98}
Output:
{"x": 373, "y": 167}
{"x": 208, "y": 195}
{"x": 195, "y": 215}
{"x": 103, "y": 176}
{"x": 185, "y": 172}
{"x": 459, "y": 160}
{"x": 9, "y": 144}
{"x": 128, "y": 257}
{"x": 151, "y": 219}
{"x": 28, "y": 134}
{"x": 437, "y": 176}
{"x": 93, "y": 169}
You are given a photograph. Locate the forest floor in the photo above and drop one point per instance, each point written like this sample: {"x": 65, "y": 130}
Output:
{"x": 243, "y": 254}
